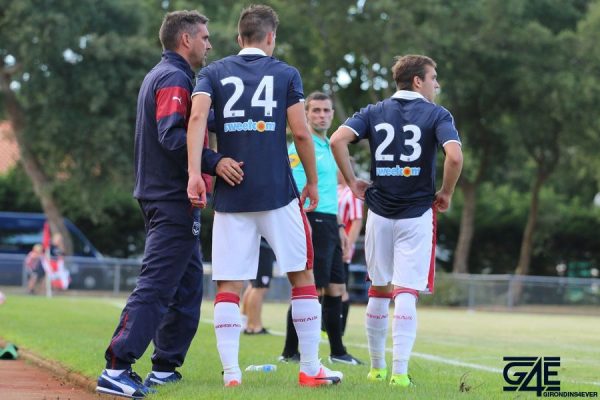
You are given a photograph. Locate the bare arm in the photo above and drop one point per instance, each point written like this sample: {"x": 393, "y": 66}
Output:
{"x": 354, "y": 232}
{"x": 352, "y": 236}
{"x": 195, "y": 142}
{"x": 339, "y": 146}
{"x": 345, "y": 243}
{"x": 452, "y": 168}
{"x": 306, "y": 151}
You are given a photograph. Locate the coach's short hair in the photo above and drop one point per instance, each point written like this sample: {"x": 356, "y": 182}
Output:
{"x": 407, "y": 67}
{"x": 255, "y": 22}
{"x": 177, "y": 22}
{"x": 316, "y": 96}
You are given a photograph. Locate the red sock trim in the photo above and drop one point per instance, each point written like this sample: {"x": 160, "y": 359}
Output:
{"x": 381, "y": 295}
{"x": 305, "y": 292}
{"x": 227, "y": 297}
{"x": 397, "y": 291}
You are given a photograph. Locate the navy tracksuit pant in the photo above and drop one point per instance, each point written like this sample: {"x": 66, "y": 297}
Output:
{"x": 165, "y": 305}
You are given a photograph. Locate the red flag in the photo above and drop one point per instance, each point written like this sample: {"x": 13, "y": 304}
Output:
{"x": 46, "y": 237}
{"x": 54, "y": 265}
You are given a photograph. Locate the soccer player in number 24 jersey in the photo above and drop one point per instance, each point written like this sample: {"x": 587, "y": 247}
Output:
{"x": 253, "y": 95}
{"x": 404, "y": 133}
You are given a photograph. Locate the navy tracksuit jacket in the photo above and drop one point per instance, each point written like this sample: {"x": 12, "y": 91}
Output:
{"x": 165, "y": 305}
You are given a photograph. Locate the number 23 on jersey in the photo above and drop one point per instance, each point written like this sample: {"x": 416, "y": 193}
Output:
{"x": 390, "y": 134}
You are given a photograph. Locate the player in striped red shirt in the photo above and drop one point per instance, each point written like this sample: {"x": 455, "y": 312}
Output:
{"x": 350, "y": 210}
{"x": 350, "y": 213}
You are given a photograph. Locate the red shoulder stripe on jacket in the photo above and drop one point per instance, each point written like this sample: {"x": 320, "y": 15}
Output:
{"x": 171, "y": 100}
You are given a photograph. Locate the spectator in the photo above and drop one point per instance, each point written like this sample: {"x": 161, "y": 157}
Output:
{"x": 35, "y": 268}
{"x": 350, "y": 212}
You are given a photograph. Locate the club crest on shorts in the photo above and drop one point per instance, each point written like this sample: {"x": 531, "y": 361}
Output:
{"x": 196, "y": 228}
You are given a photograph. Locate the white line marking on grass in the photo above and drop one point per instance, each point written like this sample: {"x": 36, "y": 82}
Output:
{"x": 457, "y": 363}
{"x": 425, "y": 356}
{"x": 429, "y": 357}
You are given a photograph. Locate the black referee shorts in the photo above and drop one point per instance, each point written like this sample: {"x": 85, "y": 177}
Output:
{"x": 264, "y": 273}
{"x": 328, "y": 265}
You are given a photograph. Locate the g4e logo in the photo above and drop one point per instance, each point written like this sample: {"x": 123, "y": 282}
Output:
{"x": 531, "y": 374}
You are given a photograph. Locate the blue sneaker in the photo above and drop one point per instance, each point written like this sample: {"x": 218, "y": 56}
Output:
{"x": 153, "y": 380}
{"x": 128, "y": 384}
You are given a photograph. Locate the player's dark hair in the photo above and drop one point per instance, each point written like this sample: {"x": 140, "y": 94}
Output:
{"x": 177, "y": 22}
{"x": 316, "y": 96}
{"x": 255, "y": 22}
{"x": 407, "y": 67}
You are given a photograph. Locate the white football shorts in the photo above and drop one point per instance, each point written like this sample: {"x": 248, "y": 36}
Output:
{"x": 236, "y": 241}
{"x": 401, "y": 251}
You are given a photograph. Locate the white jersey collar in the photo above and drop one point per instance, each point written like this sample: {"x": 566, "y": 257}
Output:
{"x": 251, "y": 51}
{"x": 408, "y": 95}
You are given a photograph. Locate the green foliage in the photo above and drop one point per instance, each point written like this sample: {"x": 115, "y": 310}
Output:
{"x": 556, "y": 15}
{"x": 500, "y": 216}
{"x": 80, "y": 64}
{"x": 566, "y": 231}
{"x": 575, "y": 232}
{"x": 587, "y": 64}
{"x": 116, "y": 229}
{"x": 448, "y": 293}
{"x": 16, "y": 193}
{"x": 514, "y": 74}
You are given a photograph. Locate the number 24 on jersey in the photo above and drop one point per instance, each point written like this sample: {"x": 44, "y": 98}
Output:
{"x": 264, "y": 90}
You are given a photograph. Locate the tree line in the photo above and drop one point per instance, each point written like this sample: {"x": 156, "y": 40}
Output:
{"x": 520, "y": 77}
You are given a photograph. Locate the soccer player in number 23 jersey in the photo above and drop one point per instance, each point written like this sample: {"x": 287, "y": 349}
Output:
{"x": 404, "y": 133}
{"x": 253, "y": 95}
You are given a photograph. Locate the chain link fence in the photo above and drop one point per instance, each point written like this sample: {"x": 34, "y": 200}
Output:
{"x": 453, "y": 290}
{"x": 509, "y": 291}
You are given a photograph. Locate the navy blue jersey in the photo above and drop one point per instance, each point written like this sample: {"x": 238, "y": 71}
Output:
{"x": 250, "y": 94}
{"x": 404, "y": 133}
{"x": 160, "y": 152}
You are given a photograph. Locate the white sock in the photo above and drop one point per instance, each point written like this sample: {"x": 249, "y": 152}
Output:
{"x": 404, "y": 331}
{"x": 306, "y": 315}
{"x": 377, "y": 328}
{"x": 228, "y": 324}
{"x": 162, "y": 375}
{"x": 113, "y": 373}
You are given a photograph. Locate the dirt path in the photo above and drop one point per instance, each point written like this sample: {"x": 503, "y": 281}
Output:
{"x": 23, "y": 381}
{"x": 33, "y": 378}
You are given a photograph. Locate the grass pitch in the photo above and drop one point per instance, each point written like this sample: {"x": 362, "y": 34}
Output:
{"x": 458, "y": 354}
